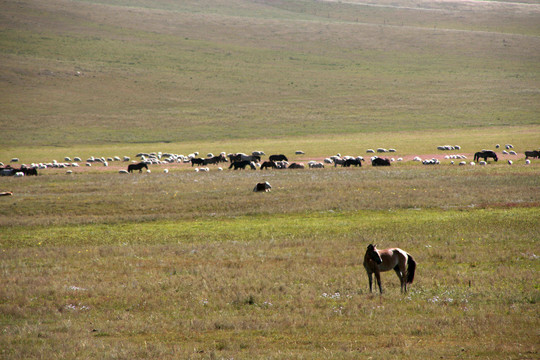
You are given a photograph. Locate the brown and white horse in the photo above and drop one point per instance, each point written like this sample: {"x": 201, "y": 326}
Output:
{"x": 377, "y": 261}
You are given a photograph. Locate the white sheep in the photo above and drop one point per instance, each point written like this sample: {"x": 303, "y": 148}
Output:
{"x": 527, "y": 162}
{"x": 512, "y": 152}
{"x": 482, "y": 163}
{"x": 370, "y": 151}
{"x": 299, "y": 152}
{"x": 123, "y": 172}
{"x": 463, "y": 163}
{"x": 510, "y": 162}
{"x": 166, "y": 171}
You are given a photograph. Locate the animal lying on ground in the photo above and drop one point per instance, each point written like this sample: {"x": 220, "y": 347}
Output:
{"x": 262, "y": 187}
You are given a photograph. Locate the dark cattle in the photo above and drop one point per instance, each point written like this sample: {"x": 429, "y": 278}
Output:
{"x": 242, "y": 165}
{"x": 197, "y": 161}
{"x": 262, "y": 187}
{"x": 532, "y": 154}
{"x": 296, "y": 166}
{"x": 352, "y": 162}
{"x": 215, "y": 160}
{"x": 280, "y": 157}
{"x": 243, "y": 157}
{"x": 29, "y": 171}
{"x": 484, "y": 154}
{"x": 268, "y": 164}
{"x": 7, "y": 171}
{"x": 138, "y": 166}
{"x": 380, "y": 162}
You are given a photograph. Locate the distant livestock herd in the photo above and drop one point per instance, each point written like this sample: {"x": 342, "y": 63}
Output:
{"x": 238, "y": 161}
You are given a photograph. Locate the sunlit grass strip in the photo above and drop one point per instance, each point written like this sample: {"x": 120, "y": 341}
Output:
{"x": 366, "y": 226}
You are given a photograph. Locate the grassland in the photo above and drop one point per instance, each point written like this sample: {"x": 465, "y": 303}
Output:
{"x": 112, "y": 72}
{"x": 188, "y": 265}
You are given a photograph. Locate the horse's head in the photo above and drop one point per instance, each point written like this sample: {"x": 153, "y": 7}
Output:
{"x": 373, "y": 254}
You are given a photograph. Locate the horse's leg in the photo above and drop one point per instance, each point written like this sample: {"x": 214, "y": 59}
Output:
{"x": 401, "y": 276}
{"x": 378, "y": 278}
{"x": 370, "y": 277}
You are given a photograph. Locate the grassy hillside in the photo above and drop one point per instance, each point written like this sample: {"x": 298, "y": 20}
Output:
{"x": 194, "y": 265}
{"x": 103, "y": 72}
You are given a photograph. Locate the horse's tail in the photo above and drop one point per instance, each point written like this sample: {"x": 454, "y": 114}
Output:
{"x": 410, "y": 269}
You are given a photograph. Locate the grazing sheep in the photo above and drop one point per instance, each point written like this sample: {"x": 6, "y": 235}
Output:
{"x": 15, "y": 160}
{"x": 392, "y": 150}
{"x": 505, "y": 152}
{"x": 381, "y": 150}
{"x": 123, "y": 172}
{"x": 67, "y": 158}
{"x": 258, "y": 153}
{"x": 463, "y": 163}
{"x": 472, "y": 163}
{"x": 527, "y": 162}
{"x": 512, "y": 152}
{"x": 370, "y": 151}
{"x": 196, "y": 169}
{"x": 509, "y": 146}
{"x": 19, "y": 174}
{"x": 482, "y": 163}
{"x": 166, "y": 171}
{"x": 497, "y": 146}
{"x": 76, "y": 158}
{"x": 328, "y": 161}
{"x": 69, "y": 172}
{"x": 220, "y": 168}
{"x": 417, "y": 158}
{"x": 299, "y": 152}
{"x": 6, "y": 193}
{"x": 400, "y": 159}
{"x": 510, "y": 162}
